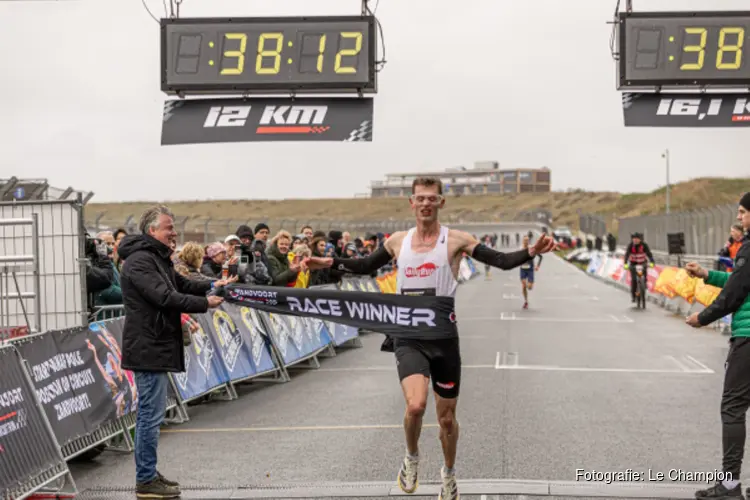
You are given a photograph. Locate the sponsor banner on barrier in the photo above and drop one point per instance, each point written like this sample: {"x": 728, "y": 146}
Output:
{"x": 107, "y": 338}
{"x": 425, "y": 317}
{"x": 26, "y": 446}
{"x": 686, "y": 110}
{"x": 256, "y": 337}
{"x": 202, "y": 121}
{"x": 204, "y": 370}
{"x": 296, "y": 337}
{"x": 114, "y": 327}
{"x": 231, "y": 345}
{"x": 77, "y": 393}
{"x": 339, "y": 333}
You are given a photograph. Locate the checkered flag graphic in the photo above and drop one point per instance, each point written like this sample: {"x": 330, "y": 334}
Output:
{"x": 362, "y": 133}
{"x": 170, "y": 106}
{"x": 628, "y": 98}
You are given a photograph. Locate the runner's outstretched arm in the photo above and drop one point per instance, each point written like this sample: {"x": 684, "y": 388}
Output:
{"x": 502, "y": 260}
{"x": 367, "y": 265}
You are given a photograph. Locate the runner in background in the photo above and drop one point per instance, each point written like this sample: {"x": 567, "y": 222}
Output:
{"x": 527, "y": 274}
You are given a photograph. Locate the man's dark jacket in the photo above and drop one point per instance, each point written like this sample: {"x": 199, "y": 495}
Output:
{"x": 154, "y": 295}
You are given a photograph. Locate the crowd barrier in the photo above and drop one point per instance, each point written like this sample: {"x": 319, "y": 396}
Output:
{"x": 64, "y": 394}
{"x": 669, "y": 287}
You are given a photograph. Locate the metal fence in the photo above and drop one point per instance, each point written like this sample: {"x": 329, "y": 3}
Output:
{"x": 592, "y": 224}
{"x": 706, "y": 230}
{"x": 42, "y": 273}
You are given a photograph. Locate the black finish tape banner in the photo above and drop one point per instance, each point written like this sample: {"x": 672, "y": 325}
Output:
{"x": 396, "y": 315}
{"x": 26, "y": 447}
{"x": 77, "y": 390}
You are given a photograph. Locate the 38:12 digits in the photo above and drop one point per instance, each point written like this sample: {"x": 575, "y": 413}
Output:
{"x": 724, "y": 48}
{"x": 276, "y": 40}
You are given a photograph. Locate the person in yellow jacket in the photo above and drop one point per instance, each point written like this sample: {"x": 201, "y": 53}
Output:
{"x": 297, "y": 253}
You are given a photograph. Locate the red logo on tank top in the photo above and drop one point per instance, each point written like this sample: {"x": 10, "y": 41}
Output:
{"x": 423, "y": 271}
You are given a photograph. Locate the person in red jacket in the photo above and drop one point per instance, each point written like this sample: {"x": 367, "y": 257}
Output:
{"x": 637, "y": 252}
{"x": 736, "y": 237}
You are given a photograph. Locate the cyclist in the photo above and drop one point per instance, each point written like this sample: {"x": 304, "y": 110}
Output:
{"x": 527, "y": 274}
{"x": 637, "y": 252}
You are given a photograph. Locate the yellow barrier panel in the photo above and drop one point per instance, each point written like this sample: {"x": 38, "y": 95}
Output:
{"x": 706, "y": 294}
{"x": 664, "y": 282}
{"x": 684, "y": 285}
{"x": 387, "y": 282}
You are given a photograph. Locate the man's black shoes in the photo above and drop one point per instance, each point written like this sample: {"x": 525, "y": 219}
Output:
{"x": 720, "y": 492}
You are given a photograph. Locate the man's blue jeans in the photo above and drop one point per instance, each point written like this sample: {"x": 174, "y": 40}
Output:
{"x": 152, "y": 405}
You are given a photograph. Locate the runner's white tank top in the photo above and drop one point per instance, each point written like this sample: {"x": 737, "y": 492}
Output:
{"x": 426, "y": 273}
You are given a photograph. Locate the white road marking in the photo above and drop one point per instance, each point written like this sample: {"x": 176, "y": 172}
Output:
{"x": 382, "y": 368}
{"x": 679, "y": 364}
{"x": 594, "y": 370}
{"x": 292, "y": 428}
{"x": 699, "y": 363}
{"x": 506, "y": 316}
{"x": 512, "y": 296}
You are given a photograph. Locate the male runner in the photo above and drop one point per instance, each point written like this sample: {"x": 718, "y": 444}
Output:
{"x": 428, "y": 259}
{"x": 527, "y": 274}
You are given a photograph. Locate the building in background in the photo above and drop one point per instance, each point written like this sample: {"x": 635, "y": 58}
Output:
{"x": 486, "y": 178}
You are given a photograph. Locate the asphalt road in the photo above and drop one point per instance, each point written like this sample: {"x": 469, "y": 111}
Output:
{"x": 580, "y": 380}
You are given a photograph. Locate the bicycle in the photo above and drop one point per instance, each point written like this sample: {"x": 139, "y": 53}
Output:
{"x": 641, "y": 289}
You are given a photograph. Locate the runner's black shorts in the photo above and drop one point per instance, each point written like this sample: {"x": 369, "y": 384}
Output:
{"x": 439, "y": 360}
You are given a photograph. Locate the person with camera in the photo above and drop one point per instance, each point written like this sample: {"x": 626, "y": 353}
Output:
{"x": 155, "y": 297}
{"x": 112, "y": 295}
{"x": 99, "y": 270}
{"x": 734, "y": 299}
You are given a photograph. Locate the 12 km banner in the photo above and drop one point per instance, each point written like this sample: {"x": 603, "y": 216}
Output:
{"x": 199, "y": 121}
{"x": 686, "y": 110}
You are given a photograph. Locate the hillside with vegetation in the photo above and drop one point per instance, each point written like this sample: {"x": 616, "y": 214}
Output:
{"x": 564, "y": 206}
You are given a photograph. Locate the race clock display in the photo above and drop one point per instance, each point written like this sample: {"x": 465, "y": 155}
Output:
{"x": 205, "y": 55}
{"x": 678, "y": 49}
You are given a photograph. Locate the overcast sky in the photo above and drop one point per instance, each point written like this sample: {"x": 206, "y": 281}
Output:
{"x": 527, "y": 83}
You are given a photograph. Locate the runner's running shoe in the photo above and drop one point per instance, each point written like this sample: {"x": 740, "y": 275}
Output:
{"x": 408, "y": 479}
{"x": 449, "y": 491}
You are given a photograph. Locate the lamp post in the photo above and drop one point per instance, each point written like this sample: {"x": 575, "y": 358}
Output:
{"x": 665, "y": 155}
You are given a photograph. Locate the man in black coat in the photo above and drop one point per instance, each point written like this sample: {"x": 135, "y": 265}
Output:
{"x": 154, "y": 296}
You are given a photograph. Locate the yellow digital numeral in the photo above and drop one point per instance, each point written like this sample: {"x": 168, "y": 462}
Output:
{"x": 239, "y": 54}
{"x": 348, "y": 52}
{"x": 321, "y": 49}
{"x": 700, "y": 49}
{"x": 262, "y": 52}
{"x": 736, "y": 48}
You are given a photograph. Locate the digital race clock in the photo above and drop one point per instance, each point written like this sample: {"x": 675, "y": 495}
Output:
{"x": 268, "y": 55}
{"x": 684, "y": 49}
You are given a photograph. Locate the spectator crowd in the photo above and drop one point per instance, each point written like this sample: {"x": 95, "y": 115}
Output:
{"x": 254, "y": 256}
